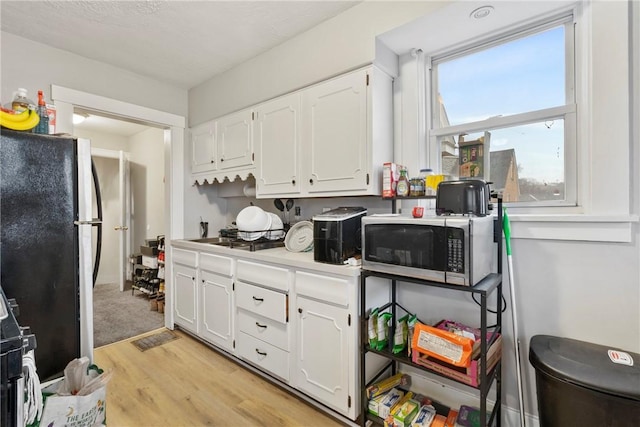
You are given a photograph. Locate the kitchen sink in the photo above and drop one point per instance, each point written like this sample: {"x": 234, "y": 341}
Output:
{"x": 221, "y": 241}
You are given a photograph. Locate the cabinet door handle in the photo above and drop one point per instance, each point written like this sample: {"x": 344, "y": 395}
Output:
{"x": 311, "y": 181}
{"x": 260, "y": 352}
{"x": 258, "y": 299}
{"x": 260, "y": 326}
{"x": 202, "y": 280}
{"x": 300, "y": 310}
{"x": 213, "y": 161}
{"x": 293, "y": 182}
{"x": 222, "y": 160}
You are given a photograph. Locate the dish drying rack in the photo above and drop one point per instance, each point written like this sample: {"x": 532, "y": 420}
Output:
{"x": 232, "y": 239}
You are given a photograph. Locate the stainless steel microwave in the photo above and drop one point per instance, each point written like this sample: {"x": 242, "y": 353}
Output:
{"x": 457, "y": 250}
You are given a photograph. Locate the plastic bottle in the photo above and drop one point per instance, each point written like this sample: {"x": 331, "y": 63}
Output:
{"x": 402, "y": 189}
{"x": 43, "y": 125}
{"x": 20, "y": 101}
{"x": 425, "y": 174}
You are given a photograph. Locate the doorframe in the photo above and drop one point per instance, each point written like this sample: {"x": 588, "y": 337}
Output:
{"x": 125, "y": 266}
{"x": 66, "y": 99}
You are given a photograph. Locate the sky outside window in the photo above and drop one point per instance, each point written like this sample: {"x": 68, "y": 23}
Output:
{"x": 519, "y": 76}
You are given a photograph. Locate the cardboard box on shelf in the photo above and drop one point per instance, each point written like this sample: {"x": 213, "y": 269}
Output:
{"x": 469, "y": 375}
{"x": 390, "y": 176}
{"x": 474, "y": 157}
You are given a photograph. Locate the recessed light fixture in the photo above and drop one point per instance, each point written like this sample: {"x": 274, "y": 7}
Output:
{"x": 79, "y": 118}
{"x": 481, "y": 12}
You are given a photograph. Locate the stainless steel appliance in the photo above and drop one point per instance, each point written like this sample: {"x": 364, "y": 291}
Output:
{"x": 46, "y": 243}
{"x": 337, "y": 234}
{"x": 457, "y": 250}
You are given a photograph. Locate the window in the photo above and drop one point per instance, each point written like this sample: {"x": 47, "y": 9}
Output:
{"x": 512, "y": 98}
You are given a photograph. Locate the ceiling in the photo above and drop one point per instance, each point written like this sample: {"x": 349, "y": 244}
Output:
{"x": 181, "y": 43}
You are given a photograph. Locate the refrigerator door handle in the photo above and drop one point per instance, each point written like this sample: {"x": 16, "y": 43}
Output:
{"x": 94, "y": 221}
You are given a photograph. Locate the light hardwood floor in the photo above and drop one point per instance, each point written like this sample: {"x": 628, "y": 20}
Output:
{"x": 185, "y": 383}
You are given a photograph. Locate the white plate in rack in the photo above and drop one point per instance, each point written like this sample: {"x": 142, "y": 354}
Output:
{"x": 299, "y": 238}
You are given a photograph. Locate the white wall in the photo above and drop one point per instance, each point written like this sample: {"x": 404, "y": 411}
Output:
{"x": 344, "y": 42}
{"x": 35, "y": 66}
{"x": 147, "y": 185}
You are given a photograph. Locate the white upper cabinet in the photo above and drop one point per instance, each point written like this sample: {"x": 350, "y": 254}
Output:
{"x": 203, "y": 148}
{"x": 333, "y": 145}
{"x": 234, "y": 140}
{"x": 277, "y": 142}
{"x": 327, "y": 140}
{"x": 335, "y": 135}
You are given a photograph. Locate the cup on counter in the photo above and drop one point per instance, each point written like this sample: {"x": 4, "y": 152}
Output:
{"x": 417, "y": 211}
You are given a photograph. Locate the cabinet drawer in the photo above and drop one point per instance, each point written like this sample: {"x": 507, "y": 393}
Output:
{"x": 264, "y": 275}
{"x": 264, "y": 355}
{"x": 262, "y": 301}
{"x": 330, "y": 289}
{"x": 267, "y": 330}
{"x": 184, "y": 257}
{"x": 216, "y": 264}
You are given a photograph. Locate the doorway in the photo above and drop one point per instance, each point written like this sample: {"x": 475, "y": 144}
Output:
{"x": 66, "y": 101}
{"x": 132, "y": 211}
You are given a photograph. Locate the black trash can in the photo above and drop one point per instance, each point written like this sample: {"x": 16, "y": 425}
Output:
{"x": 584, "y": 384}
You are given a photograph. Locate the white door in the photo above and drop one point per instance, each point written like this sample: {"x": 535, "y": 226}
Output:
{"x": 185, "y": 294}
{"x": 114, "y": 179}
{"x": 234, "y": 141}
{"x": 124, "y": 241}
{"x": 277, "y": 141}
{"x": 203, "y": 152}
{"x": 216, "y": 309}
{"x": 335, "y": 135}
{"x": 323, "y": 352}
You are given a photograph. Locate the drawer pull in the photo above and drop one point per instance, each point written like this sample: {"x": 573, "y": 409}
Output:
{"x": 260, "y": 352}
{"x": 260, "y": 326}
{"x": 258, "y": 299}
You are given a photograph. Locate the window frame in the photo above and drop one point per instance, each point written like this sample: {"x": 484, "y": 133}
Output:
{"x": 567, "y": 112}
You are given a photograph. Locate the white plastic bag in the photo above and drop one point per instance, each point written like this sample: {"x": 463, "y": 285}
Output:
{"x": 79, "y": 400}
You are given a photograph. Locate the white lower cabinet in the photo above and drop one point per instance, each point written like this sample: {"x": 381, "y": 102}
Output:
{"x": 185, "y": 289}
{"x": 297, "y": 325}
{"x": 216, "y": 300}
{"x": 262, "y": 313}
{"x": 268, "y": 357}
{"x": 326, "y": 338}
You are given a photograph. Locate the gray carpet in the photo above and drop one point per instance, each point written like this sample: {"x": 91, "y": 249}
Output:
{"x": 120, "y": 315}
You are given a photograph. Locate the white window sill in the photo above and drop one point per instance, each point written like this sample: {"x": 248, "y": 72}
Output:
{"x": 574, "y": 227}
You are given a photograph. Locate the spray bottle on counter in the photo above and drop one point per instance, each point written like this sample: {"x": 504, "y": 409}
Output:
{"x": 43, "y": 125}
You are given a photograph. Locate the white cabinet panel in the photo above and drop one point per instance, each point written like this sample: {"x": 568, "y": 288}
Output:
{"x": 262, "y": 301}
{"x": 277, "y": 142}
{"x": 216, "y": 309}
{"x": 234, "y": 140}
{"x": 203, "y": 148}
{"x": 185, "y": 297}
{"x": 264, "y": 355}
{"x": 263, "y": 275}
{"x": 323, "y": 353}
{"x": 335, "y": 135}
{"x": 221, "y": 265}
{"x": 267, "y": 330}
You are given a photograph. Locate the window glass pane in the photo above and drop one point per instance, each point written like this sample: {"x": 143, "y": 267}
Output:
{"x": 526, "y": 162}
{"x": 523, "y": 75}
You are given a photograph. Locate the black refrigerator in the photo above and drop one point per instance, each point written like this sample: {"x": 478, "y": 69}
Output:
{"x": 46, "y": 260}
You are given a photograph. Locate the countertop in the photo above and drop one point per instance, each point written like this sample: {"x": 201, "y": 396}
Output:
{"x": 281, "y": 256}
